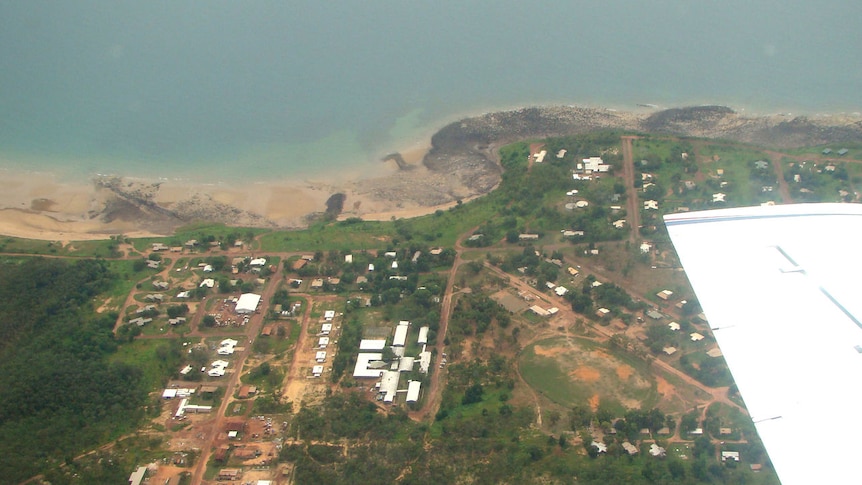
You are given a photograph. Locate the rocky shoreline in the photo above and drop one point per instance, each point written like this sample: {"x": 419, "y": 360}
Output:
{"x": 461, "y": 163}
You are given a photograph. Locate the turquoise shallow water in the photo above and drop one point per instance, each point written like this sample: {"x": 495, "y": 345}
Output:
{"x": 262, "y": 90}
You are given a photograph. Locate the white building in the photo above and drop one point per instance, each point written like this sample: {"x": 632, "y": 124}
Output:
{"x": 247, "y": 303}
{"x": 413, "y": 388}
{"x": 368, "y": 365}
{"x": 400, "y": 338}
{"x": 423, "y": 335}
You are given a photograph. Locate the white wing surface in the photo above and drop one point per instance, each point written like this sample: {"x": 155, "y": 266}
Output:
{"x": 781, "y": 287}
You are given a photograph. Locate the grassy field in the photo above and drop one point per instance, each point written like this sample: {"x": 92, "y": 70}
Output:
{"x": 146, "y": 355}
{"x": 578, "y": 371}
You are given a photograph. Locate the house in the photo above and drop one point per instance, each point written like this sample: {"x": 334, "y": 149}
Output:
{"x": 229, "y": 474}
{"x": 669, "y": 350}
{"x": 826, "y": 151}
{"x": 328, "y": 315}
{"x": 157, "y": 246}
{"x": 654, "y": 315}
{"x": 718, "y": 197}
{"x": 317, "y": 283}
{"x": 436, "y": 251}
{"x": 650, "y": 205}
{"x": 602, "y": 312}
{"x": 595, "y": 164}
{"x": 257, "y": 263}
{"x": 207, "y": 282}
{"x": 561, "y": 153}
{"x": 561, "y": 290}
{"x": 183, "y": 294}
{"x": 730, "y": 455}
{"x": 299, "y": 264}
{"x": 619, "y": 224}
{"x": 600, "y": 447}
{"x": 160, "y": 285}
{"x": 317, "y": 371}
{"x": 843, "y": 152}
{"x": 348, "y": 258}
{"x": 320, "y": 357}
{"x": 630, "y": 448}
{"x": 673, "y": 326}
{"x": 153, "y": 264}
{"x": 664, "y": 294}
{"x": 696, "y": 337}
{"x": 540, "y": 157}
{"x": 761, "y": 165}
{"x": 390, "y": 254}
{"x": 137, "y": 476}
{"x": 322, "y": 342}
{"x": 572, "y": 271}
{"x": 528, "y": 237}
{"x": 581, "y": 204}
{"x": 656, "y": 450}
{"x": 325, "y": 329}
{"x": 645, "y": 247}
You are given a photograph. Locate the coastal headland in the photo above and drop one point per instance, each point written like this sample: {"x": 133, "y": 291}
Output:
{"x": 460, "y": 163}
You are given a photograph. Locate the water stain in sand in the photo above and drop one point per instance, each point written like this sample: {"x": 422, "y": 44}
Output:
{"x": 42, "y": 204}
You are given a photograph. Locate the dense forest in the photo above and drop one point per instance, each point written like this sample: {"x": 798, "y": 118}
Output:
{"x": 61, "y": 396}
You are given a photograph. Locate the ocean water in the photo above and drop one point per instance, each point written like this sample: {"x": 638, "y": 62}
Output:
{"x": 263, "y": 90}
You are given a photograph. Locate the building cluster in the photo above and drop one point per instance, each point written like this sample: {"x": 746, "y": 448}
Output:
{"x": 370, "y": 363}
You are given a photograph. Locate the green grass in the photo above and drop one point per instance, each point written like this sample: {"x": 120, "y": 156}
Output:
{"x": 144, "y": 355}
{"x": 550, "y": 375}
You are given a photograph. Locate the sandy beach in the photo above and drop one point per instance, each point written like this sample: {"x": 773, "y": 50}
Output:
{"x": 459, "y": 162}
{"x": 38, "y": 206}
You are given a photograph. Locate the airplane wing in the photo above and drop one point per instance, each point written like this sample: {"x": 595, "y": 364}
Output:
{"x": 781, "y": 287}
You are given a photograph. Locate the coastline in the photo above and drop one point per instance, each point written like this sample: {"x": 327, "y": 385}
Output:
{"x": 457, "y": 163}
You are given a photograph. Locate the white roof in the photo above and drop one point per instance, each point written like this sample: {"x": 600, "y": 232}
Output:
{"x": 208, "y": 282}
{"x": 247, "y": 303}
{"x": 323, "y": 341}
{"x": 317, "y": 370}
{"x": 348, "y": 258}
{"x": 400, "y": 338}
{"x": 169, "y": 393}
{"x": 362, "y": 361}
{"x": 257, "y": 262}
{"x": 424, "y": 361}
{"x": 423, "y": 335}
{"x": 389, "y": 385}
{"x": 321, "y": 355}
{"x": 329, "y": 315}
{"x": 372, "y": 344}
{"x": 780, "y": 287}
{"x": 326, "y": 328}
{"x": 413, "y": 391}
